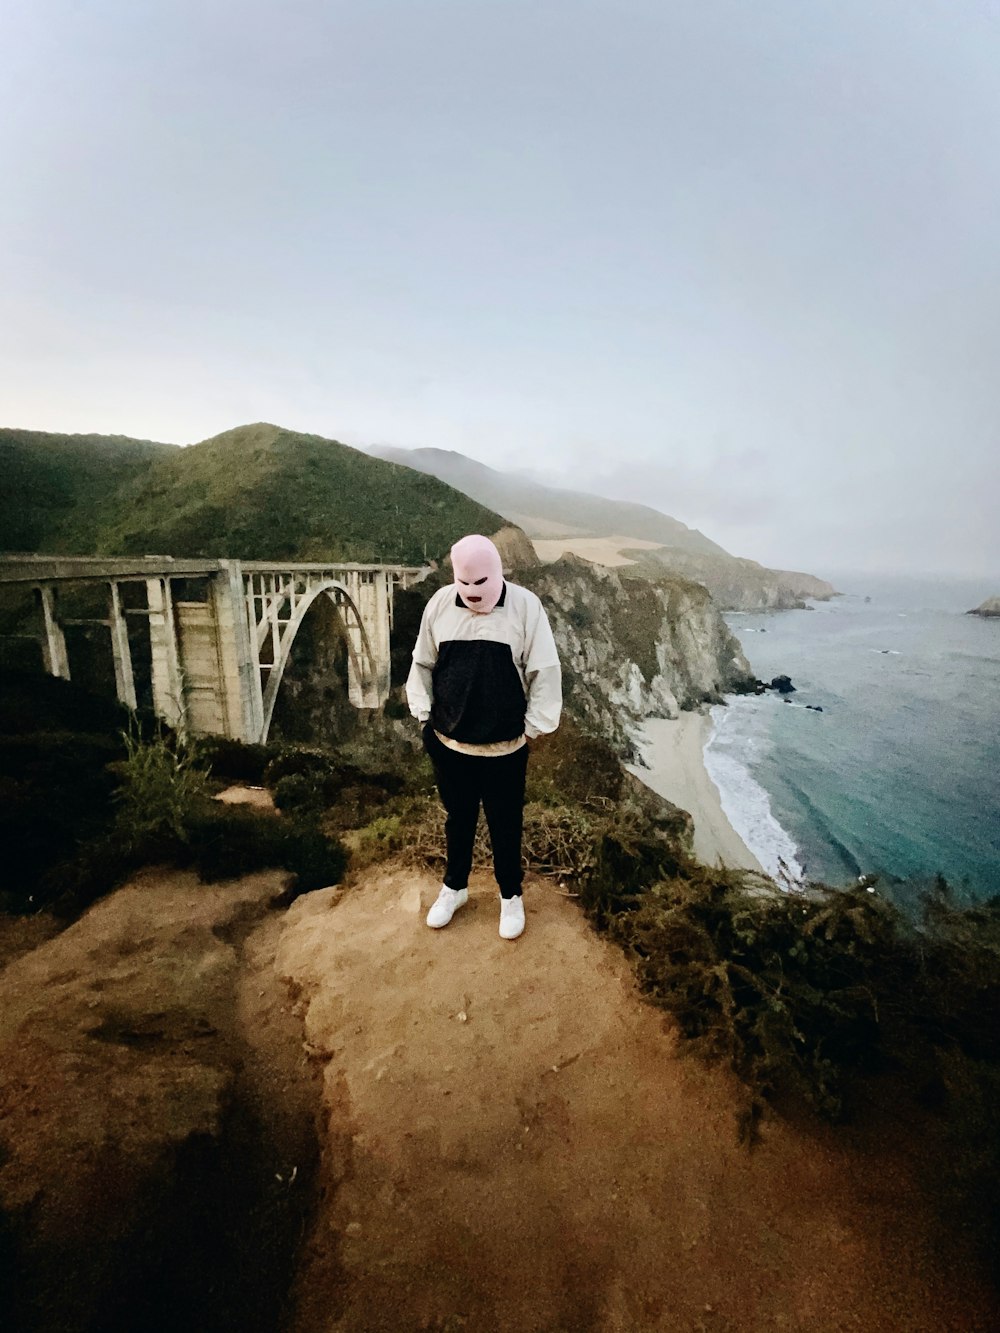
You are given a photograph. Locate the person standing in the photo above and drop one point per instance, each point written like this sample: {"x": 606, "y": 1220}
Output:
{"x": 485, "y": 681}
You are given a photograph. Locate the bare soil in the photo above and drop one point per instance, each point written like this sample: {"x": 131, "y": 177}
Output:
{"x": 157, "y": 1114}
{"x": 222, "y": 1114}
{"x": 514, "y": 1143}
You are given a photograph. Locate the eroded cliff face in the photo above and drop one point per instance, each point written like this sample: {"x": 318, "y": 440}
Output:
{"x": 632, "y": 648}
{"x": 734, "y": 583}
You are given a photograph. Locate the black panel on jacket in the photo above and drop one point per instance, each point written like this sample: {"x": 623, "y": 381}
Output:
{"x": 478, "y": 697}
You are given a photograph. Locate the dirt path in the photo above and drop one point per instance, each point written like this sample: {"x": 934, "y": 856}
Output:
{"x": 513, "y": 1144}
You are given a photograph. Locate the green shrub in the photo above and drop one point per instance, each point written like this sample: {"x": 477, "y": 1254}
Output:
{"x": 801, "y": 993}
{"x": 299, "y": 762}
{"x": 777, "y": 986}
{"x": 161, "y": 788}
{"x": 55, "y": 794}
{"x": 317, "y": 860}
{"x": 32, "y": 702}
{"x": 570, "y": 766}
{"x": 224, "y": 757}
{"x": 300, "y": 792}
{"x": 377, "y": 841}
{"x": 315, "y": 780}
{"x": 226, "y": 841}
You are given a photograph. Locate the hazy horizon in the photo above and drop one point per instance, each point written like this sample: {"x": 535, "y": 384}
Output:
{"x": 734, "y": 262}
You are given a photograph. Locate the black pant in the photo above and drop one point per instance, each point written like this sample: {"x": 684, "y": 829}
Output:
{"x": 465, "y": 780}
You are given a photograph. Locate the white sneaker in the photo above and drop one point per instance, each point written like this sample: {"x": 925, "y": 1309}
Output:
{"x": 511, "y": 917}
{"x": 445, "y": 905}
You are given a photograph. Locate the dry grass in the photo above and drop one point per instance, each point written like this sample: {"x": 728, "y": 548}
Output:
{"x": 559, "y": 841}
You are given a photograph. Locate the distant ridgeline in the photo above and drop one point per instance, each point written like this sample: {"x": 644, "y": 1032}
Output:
{"x": 263, "y": 493}
{"x": 547, "y": 513}
{"x": 256, "y": 492}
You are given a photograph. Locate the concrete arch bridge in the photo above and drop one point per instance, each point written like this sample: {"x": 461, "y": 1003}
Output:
{"x": 220, "y": 632}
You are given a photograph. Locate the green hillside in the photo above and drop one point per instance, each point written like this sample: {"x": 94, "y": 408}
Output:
{"x": 256, "y": 492}
{"x": 550, "y": 511}
{"x": 57, "y": 488}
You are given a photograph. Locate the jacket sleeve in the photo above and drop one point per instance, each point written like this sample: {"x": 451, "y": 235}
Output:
{"x": 419, "y": 691}
{"x": 543, "y": 675}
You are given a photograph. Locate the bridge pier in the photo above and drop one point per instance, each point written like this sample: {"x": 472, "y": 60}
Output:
{"x": 120, "y": 650}
{"x": 54, "y": 643}
{"x": 239, "y": 660}
{"x": 167, "y": 679}
{"x": 373, "y": 602}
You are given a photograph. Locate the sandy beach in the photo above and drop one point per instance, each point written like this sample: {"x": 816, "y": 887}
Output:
{"x": 673, "y": 749}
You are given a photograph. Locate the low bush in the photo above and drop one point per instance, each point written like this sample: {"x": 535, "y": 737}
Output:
{"x": 300, "y": 762}
{"x": 55, "y": 795}
{"x": 32, "y": 702}
{"x": 226, "y": 841}
{"x": 224, "y": 757}
{"x": 801, "y": 993}
{"x": 383, "y": 838}
{"x": 316, "y": 859}
{"x": 162, "y": 786}
{"x": 299, "y": 792}
{"x": 777, "y": 986}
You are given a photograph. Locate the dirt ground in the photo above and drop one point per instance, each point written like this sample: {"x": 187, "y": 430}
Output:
{"x": 220, "y": 1112}
{"x": 514, "y": 1143}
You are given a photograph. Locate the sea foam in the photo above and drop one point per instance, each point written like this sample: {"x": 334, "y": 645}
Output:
{"x": 746, "y": 804}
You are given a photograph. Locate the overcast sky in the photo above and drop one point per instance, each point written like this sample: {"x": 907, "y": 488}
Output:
{"x": 738, "y": 259}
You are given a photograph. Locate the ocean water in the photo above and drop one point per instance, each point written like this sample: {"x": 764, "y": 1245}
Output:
{"x": 899, "y": 775}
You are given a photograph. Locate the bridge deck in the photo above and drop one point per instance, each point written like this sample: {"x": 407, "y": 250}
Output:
{"x": 124, "y": 569}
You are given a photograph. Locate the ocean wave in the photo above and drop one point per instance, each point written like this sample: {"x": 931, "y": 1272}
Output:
{"x": 747, "y": 805}
{"x": 820, "y": 821}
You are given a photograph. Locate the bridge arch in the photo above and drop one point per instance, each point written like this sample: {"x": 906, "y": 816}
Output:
{"x": 363, "y": 665}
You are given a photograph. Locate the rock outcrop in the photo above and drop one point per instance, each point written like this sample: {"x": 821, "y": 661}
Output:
{"x": 989, "y": 608}
{"x": 736, "y": 584}
{"x": 515, "y": 548}
{"x": 634, "y": 648}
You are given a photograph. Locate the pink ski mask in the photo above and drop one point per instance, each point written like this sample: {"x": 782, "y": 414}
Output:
{"x": 478, "y": 573}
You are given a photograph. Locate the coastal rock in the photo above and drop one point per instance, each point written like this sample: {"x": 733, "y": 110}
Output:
{"x": 988, "y": 609}
{"x": 736, "y": 584}
{"x": 632, "y": 648}
{"x": 782, "y": 684}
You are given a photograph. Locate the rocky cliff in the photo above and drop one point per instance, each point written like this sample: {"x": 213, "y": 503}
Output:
{"x": 991, "y": 607}
{"x": 630, "y": 648}
{"x": 633, "y": 648}
{"x": 735, "y": 584}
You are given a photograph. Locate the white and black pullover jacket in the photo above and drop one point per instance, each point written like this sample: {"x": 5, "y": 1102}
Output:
{"x": 481, "y": 678}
